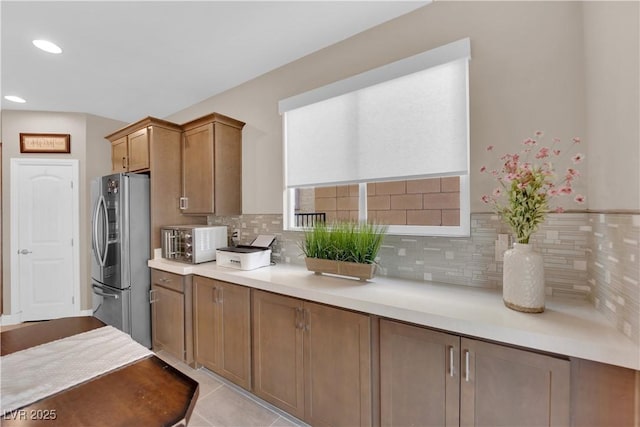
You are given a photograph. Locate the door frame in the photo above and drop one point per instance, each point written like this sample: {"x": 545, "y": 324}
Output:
{"x": 16, "y": 163}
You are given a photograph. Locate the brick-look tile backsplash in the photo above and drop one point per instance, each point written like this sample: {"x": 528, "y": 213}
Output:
{"x": 586, "y": 256}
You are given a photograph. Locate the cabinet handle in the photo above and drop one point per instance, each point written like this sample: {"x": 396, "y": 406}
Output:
{"x": 298, "y": 322}
{"x": 451, "y": 362}
{"x": 184, "y": 202}
{"x": 466, "y": 365}
{"x": 124, "y": 163}
{"x": 151, "y": 300}
{"x": 214, "y": 296}
{"x": 220, "y": 295}
{"x": 307, "y": 321}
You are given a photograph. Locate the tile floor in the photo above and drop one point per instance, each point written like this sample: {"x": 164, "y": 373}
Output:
{"x": 223, "y": 404}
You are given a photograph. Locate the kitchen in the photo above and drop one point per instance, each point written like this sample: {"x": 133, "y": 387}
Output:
{"x": 516, "y": 86}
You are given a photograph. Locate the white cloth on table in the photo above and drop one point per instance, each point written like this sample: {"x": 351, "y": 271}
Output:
{"x": 34, "y": 373}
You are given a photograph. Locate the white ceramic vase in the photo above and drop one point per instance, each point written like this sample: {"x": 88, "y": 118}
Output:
{"x": 523, "y": 279}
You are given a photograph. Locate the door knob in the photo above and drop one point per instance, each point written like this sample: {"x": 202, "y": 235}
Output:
{"x": 24, "y": 252}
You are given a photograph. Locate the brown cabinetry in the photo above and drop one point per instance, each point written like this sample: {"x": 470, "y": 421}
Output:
{"x": 212, "y": 166}
{"x": 503, "y": 386}
{"x": 312, "y": 360}
{"x": 424, "y": 373}
{"x": 171, "y": 314}
{"x": 419, "y": 376}
{"x": 222, "y": 329}
{"x": 138, "y": 150}
{"x": 277, "y": 351}
{"x": 131, "y": 153}
{"x": 153, "y": 146}
{"x": 119, "y": 155}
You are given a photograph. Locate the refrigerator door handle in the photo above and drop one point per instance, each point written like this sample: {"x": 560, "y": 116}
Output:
{"x": 94, "y": 240}
{"x": 106, "y": 231}
{"x": 97, "y": 289}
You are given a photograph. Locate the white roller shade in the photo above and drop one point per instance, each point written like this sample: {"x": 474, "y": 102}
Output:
{"x": 412, "y": 125}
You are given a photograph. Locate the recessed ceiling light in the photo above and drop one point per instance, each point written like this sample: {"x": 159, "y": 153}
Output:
{"x": 47, "y": 46}
{"x": 14, "y": 98}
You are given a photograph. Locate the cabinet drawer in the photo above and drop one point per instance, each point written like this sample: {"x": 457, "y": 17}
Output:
{"x": 168, "y": 280}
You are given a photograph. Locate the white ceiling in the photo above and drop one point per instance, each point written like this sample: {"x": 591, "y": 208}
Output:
{"x": 128, "y": 60}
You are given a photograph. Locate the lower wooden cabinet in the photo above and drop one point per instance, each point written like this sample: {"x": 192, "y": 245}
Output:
{"x": 325, "y": 366}
{"x": 503, "y": 386}
{"x": 425, "y": 375}
{"x": 419, "y": 376}
{"x": 278, "y": 372}
{"x": 222, "y": 329}
{"x": 312, "y": 361}
{"x": 171, "y": 314}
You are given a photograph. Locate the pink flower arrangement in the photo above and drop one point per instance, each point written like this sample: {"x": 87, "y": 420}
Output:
{"x": 529, "y": 187}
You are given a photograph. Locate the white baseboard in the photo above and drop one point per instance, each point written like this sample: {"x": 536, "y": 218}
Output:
{"x": 10, "y": 319}
{"x": 14, "y": 319}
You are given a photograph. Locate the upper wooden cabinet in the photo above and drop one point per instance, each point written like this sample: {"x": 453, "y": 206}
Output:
{"x": 138, "y": 150}
{"x": 119, "y": 155}
{"x": 212, "y": 166}
{"x": 131, "y": 153}
{"x": 153, "y": 146}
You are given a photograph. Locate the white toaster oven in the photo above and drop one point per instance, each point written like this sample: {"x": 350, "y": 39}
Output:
{"x": 192, "y": 243}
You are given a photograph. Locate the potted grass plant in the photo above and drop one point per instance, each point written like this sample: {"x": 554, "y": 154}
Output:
{"x": 343, "y": 248}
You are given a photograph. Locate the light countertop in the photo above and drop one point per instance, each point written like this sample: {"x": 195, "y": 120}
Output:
{"x": 567, "y": 327}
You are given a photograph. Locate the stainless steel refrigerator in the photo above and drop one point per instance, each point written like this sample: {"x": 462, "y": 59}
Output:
{"x": 119, "y": 253}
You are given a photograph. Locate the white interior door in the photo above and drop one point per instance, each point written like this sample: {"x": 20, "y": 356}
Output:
{"x": 44, "y": 224}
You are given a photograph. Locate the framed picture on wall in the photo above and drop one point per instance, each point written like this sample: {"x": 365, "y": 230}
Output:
{"x": 45, "y": 143}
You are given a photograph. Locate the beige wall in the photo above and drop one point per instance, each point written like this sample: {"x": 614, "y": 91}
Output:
{"x": 526, "y": 73}
{"x": 612, "y": 72}
{"x": 87, "y": 145}
{"x": 97, "y": 163}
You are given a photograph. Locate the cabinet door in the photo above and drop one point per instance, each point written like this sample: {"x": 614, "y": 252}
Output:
{"x": 235, "y": 333}
{"x": 502, "y": 386}
{"x": 197, "y": 170}
{"x": 227, "y": 170}
{"x": 222, "y": 329}
{"x": 138, "y": 150}
{"x": 167, "y": 321}
{"x": 419, "y": 376}
{"x": 119, "y": 155}
{"x": 206, "y": 328}
{"x": 277, "y": 351}
{"x": 337, "y": 358}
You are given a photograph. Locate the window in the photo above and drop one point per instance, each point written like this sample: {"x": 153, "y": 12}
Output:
{"x": 389, "y": 145}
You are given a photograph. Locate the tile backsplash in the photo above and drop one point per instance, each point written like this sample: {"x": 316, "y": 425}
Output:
{"x": 613, "y": 269}
{"x": 587, "y": 256}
